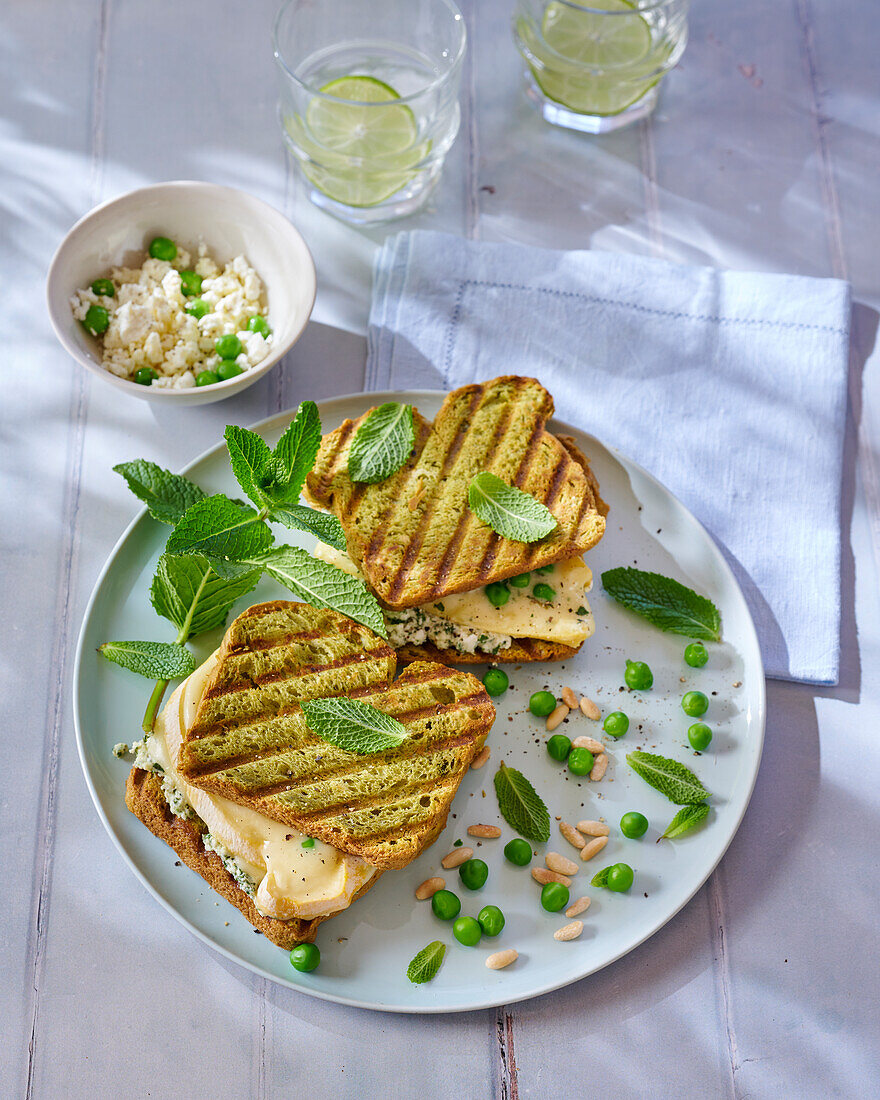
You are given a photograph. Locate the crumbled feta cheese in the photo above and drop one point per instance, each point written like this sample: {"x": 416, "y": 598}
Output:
{"x": 414, "y": 626}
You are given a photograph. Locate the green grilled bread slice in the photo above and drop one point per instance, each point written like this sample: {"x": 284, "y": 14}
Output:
{"x": 250, "y": 743}
{"x": 413, "y": 535}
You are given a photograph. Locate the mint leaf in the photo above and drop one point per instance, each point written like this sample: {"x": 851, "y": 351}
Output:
{"x": 321, "y": 584}
{"x": 601, "y": 877}
{"x": 156, "y": 660}
{"x": 382, "y": 443}
{"x": 669, "y": 777}
{"x": 510, "y": 512}
{"x": 666, "y": 603}
{"x": 188, "y": 592}
{"x": 166, "y": 495}
{"x": 250, "y": 459}
{"x": 426, "y": 964}
{"x": 294, "y": 455}
{"x": 322, "y": 525}
{"x": 221, "y": 530}
{"x": 687, "y": 819}
{"x": 521, "y": 805}
{"x": 352, "y": 725}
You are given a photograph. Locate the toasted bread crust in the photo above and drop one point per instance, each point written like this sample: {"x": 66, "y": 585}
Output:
{"x": 520, "y": 651}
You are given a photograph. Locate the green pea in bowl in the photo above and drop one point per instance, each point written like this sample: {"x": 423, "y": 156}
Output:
{"x": 228, "y": 223}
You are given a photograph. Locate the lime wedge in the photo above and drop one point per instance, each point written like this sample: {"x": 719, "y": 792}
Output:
{"x": 603, "y": 58}
{"x": 359, "y": 144}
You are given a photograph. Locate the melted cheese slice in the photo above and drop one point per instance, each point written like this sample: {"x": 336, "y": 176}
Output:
{"x": 522, "y": 616}
{"x": 292, "y": 881}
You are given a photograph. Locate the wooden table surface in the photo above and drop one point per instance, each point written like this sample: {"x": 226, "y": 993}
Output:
{"x": 764, "y": 154}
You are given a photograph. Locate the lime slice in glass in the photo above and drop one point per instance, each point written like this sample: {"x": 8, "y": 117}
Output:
{"x": 603, "y": 56}
{"x": 359, "y": 143}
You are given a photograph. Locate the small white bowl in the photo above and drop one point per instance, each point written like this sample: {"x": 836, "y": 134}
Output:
{"x": 230, "y": 223}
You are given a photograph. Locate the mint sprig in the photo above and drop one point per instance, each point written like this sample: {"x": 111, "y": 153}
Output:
{"x": 521, "y": 806}
{"x": 382, "y": 444}
{"x": 295, "y": 454}
{"x": 166, "y": 495}
{"x": 509, "y": 511}
{"x": 221, "y": 529}
{"x": 665, "y": 602}
{"x": 157, "y": 660}
{"x": 426, "y": 964}
{"x": 669, "y": 777}
{"x": 353, "y": 725}
{"x": 187, "y": 592}
{"x": 685, "y": 821}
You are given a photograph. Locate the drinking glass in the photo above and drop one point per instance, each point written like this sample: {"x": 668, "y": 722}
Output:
{"x": 596, "y": 65}
{"x": 369, "y": 99}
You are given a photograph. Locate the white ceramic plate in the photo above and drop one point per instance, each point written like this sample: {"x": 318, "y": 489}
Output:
{"x": 365, "y": 951}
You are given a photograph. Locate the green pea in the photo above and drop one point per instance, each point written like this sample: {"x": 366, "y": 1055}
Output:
{"x": 197, "y": 308}
{"x": 542, "y": 703}
{"x": 491, "y": 920}
{"x": 620, "y": 878}
{"x": 144, "y": 376}
{"x": 496, "y": 681}
{"x": 445, "y": 905}
{"x": 616, "y": 723}
{"x": 497, "y": 594}
{"x": 521, "y": 580}
{"x": 545, "y": 569}
{"x": 207, "y": 378}
{"x": 517, "y": 851}
{"x": 544, "y": 592}
{"x": 228, "y": 346}
{"x": 228, "y": 368}
{"x": 260, "y": 325}
{"x": 190, "y": 283}
{"x": 633, "y": 825}
{"x": 699, "y": 735}
{"x": 104, "y": 288}
{"x": 473, "y": 873}
{"x": 162, "y": 248}
{"x": 637, "y": 676}
{"x": 696, "y": 655}
{"x": 309, "y": 842}
{"x": 97, "y": 320}
{"x": 554, "y": 896}
{"x": 695, "y": 704}
{"x": 305, "y": 957}
{"x": 580, "y": 761}
{"x": 467, "y": 931}
{"x": 559, "y": 746}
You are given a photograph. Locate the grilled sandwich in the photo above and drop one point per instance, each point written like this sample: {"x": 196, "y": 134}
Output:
{"x": 428, "y": 558}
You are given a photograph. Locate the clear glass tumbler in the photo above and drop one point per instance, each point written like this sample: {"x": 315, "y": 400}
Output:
{"x": 596, "y": 65}
{"x": 369, "y": 99}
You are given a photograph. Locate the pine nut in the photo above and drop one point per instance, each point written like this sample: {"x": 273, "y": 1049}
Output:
{"x": 569, "y": 698}
{"x": 569, "y": 931}
{"x": 482, "y": 756}
{"x": 571, "y": 834}
{"x": 593, "y": 828}
{"x": 588, "y": 743}
{"x": 542, "y": 875}
{"x": 578, "y": 907}
{"x": 501, "y": 959}
{"x": 557, "y": 717}
{"x": 593, "y": 848}
{"x": 559, "y": 863}
{"x": 589, "y": 709}
{"x": 600, "y": 766}
{"x": 491, "y": 832}
{"x": 429, "y": 887}
{"x": 456, "y": 857}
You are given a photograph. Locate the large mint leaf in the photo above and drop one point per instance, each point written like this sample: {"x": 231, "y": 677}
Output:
{"x": 509, "y": 511}
{"x": 166, "y": 495}
{"x": 155, "y": 660}
{"x": 352, "y": 725}
{"x": 669, "y": 777}
{"x": 187, "y": 591}
{"x": 426, "y": 964}
{"x": 294, "y": 455}
{"x": 322, "y": 585}
{"x": 221, "y": 530}
{"x": 322, "y": 525}
{"x": 382, "y": 443}
{"x": 521, "y": 805}
{"x": 666, "y": 603}
{"x": 250, "y": 459}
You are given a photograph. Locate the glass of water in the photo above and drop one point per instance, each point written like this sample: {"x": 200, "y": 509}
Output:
{"x": 596, "y": 65}
{"x": 369, "y": 99}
